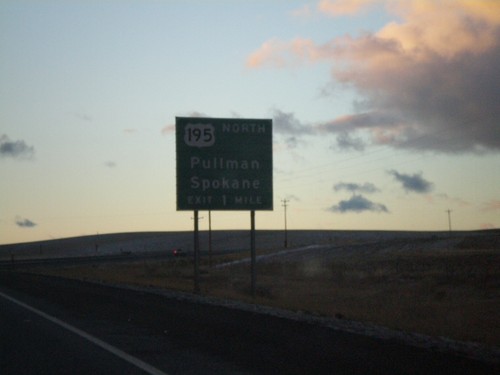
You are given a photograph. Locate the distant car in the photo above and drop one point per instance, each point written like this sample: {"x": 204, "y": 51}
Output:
{"x": 178, "y": 253}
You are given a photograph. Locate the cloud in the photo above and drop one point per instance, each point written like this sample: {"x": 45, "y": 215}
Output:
{"x": 368, "y": 120}
{"x": 15, "y": 149}
{"x": 358, "y": 203}
{"x": 82, "y": 116}
{"x": 444, "y": 198}
{"x": 25, "y": 223}
{"x": 269, "y": 53}
{"x": 342, "y": 7}
{"x": 487, "y": 226}
{"x": 428, "y": 80}
{"x": 345, "y": 142}
{"x": 280, "y": 54}
{"x": 292, "y": 142}
{"x": 352, "y": 187}
{"x": 292, "y": 197}
{"x": 287, "y": 123}
{"x": 303, "y": 12}
{"x": 197, "y": 114}
{"x": 412, "y": 183}
{"x": 110, "y": 164}
{"x": 170, "y": 128}
{"x": 492, "y": 205}
{"x": 453, "y": 200}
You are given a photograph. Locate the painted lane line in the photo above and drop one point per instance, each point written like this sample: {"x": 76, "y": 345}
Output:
{"x": 267, "y": 256}
{"x": 117, "y": 352}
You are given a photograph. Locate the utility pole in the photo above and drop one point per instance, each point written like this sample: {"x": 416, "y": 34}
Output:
{"x": 285, "y": 201}
{"x": 96, "y": 242}
{"x": 449, "y": 219}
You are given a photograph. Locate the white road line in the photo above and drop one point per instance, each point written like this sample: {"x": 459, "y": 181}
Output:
{"x": 119, "y": 353}
{"x": 267, "y": 256}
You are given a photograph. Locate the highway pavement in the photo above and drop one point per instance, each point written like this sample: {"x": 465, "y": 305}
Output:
{"x": 55, "y": 326}
{"x": 32, "y": 342}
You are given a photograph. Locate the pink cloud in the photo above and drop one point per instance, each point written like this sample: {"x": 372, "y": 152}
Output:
{"x": 492, "y": 205}
{"x": 453, "y": 200}
{"x": 427, "y": 27}
{"x": 487, "y": 226}
{"x": 280, "y": 54}
{"x": 445, "y": 27}
{"x": 343, "y": 7}
{"x": 433, "y": 70}
{"x": 269, "y": 53}
{"x": 168, "y": 129}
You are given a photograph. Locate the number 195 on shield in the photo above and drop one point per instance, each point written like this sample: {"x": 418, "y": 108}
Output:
{"x": 199, "y": 135}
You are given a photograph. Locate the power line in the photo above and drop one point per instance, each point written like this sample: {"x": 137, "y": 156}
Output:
{"x": 361, "y": 158}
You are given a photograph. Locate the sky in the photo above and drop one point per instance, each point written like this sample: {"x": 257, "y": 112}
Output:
{"x": 385, "y": 113}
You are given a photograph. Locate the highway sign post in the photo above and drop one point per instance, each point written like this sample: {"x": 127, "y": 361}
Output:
{"x": 224, "y": 164}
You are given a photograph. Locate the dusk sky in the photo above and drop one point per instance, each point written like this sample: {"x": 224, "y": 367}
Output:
{"x": 386, "y": 114}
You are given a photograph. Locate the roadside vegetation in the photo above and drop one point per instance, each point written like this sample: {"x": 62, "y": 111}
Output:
{"x": 452, "y": 292}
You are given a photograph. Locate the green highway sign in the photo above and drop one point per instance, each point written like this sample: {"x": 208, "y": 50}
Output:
{"x": 224, "y": 164}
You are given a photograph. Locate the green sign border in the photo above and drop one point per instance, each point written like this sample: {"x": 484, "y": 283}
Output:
{"x": 224, "y": 164}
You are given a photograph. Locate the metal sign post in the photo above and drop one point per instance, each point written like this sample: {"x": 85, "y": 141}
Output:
{"x": 196, "y": 254}
{"x": 253, "y": 270}
{"x": 210, "y": 239}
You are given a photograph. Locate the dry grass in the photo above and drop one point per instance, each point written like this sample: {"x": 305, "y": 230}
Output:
{"x": 454, "y": 293}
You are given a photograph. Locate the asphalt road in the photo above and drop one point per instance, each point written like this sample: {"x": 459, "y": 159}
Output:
{"x": 31, "y": 344}
{"x": 180, "y": 337}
